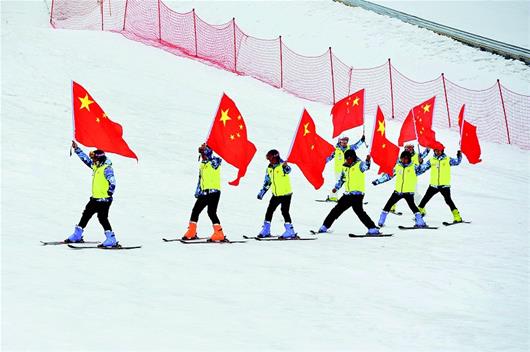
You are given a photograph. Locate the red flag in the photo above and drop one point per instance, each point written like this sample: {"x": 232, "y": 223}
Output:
{"x": 228, "y": 138}
{"x": 309, "y": 151}
{"x": 384, "y": 152}
{"x": 468, "y": 139}
{"x": 93, "y": 128}
{"x": 348, "y": 113}
{"x": 418, "y": 125}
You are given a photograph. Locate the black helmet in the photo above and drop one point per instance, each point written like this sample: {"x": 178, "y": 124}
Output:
{"x": 350, "y": 154}
{"x": 273, "y": 153}
{"x": 98, "y": 155}
{"x": 405, "y": 154}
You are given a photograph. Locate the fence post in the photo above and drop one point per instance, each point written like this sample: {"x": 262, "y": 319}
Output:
{"x": 110, "y": 10}
{"x": 235, "y": 56}
{"x": 159, "y": 24}
{"x": 51, "y": 14}
{"x": 101, "y": 10}
{"x": 391, "y": 86}
{"x": 446, "y": 101}
{"x": 504, "y": 110}
{"x": 349, "y": 81}
{"x": 332, "y": 75}
{"x": 195, "y": 30}
{"x": 125, "y": 14}
{"x": 281, "y": 63}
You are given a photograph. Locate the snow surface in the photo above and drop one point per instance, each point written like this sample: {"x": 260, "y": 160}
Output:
{"x": 463, "y": 288}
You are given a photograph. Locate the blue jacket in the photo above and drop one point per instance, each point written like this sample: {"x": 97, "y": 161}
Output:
{"x": 351, "y": 146}
{"x": 365, "y": 165}
{"x": 109, "y": 172}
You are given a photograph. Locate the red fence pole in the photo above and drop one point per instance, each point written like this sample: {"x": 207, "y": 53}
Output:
{"x": 125, "y": 14}
{"x": 446, "y": 101}
{"x": 195, "y": 30}
{"x": 391, "y": 87}
{"x": 235, "y": 56}
{"x": 51, "y": 13}
{"x": 101, "y": 10}
{"x": 504, "y": 110}
{"x": 332, "y": 74}
{"x": 349, "y": 81}
{"x": 159, "y": 24}
{"x": 281, "y": 63}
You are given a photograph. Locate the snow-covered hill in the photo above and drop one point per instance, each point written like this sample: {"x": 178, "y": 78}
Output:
{"x": 463, "y": 288}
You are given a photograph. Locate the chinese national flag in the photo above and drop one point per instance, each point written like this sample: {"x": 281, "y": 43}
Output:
{"x": 93, "y": 128}
{"x": 420, "y": 117}
{"x": 384, "y": 152}
{"x": 348, "y": 113}
{"x": 228, "y": 138}
{"x": 309, "y": 151}
{"x": 468, "y": 139}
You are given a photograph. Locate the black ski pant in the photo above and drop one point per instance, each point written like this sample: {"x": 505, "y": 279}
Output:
{"x": 94, "y": 207}
{"x": 395, "y": 197}
{"x": 354, "y": 201}
{"x": 431, "y": 191}
{"x": 210, "y": 200}
{"x": 285, "y": 201}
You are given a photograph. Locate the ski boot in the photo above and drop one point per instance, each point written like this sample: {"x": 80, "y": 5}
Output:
{"x": 456, "y": 216}
{"x": 374, "y": 232}
{"x": 191, "y": 234}
{"x": 217, "y": 235}
{"x": 323, "y": 229}
{"x": 265, "y": 230}
{"x": 289, "y": 233}
{"x": 76, "y": 237}
{"x": 110, "y": 240}
{"x": 382, "y": 218}
{"x": 419, "y": 221}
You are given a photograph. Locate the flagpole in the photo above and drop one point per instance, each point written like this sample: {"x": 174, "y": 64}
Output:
{"x": 213, "y": 121}
{"x": 373, "y": 132}
{"x": 462, "y": 125}
{"x": 295, "y": 133}
{"x": 363, "y": 124}
{"x": 415, "y": 131}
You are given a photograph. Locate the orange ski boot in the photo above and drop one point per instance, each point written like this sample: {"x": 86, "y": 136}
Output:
{"x": 218, "y": 234}
{"x": 191, "y": 234}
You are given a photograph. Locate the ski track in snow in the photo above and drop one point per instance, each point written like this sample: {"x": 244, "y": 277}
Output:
{"x": 461, "y": 288}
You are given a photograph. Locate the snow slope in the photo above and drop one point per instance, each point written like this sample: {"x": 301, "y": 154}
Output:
{"x": 463, "y": 288}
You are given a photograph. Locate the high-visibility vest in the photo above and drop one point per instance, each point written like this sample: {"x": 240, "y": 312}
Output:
{"x": 415, "y": 159}
{"x": 339, "y": 158}
{"x": 354, "y": 178}
{"x": 100, "y": 185}
{"x": 280, "y": 181}
{"x": 440, "y": 172}
{"x": 210, "y": 178}
{"x": 406, "y": 178}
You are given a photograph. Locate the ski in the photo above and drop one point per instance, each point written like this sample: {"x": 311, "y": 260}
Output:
{"x": 56, "y": 243}
{"x": 266, "y": 239}
{"x": 253, "y": 237}
{"x": 396, "y": 213}
{"x": 325, "y": 201}
{"x": 180, "y": 239}
{"x": 417, "y": 228}
{"x": 352, "y": 235}
{"x": 106, "y": 248}
{"x": 454, "y": 223}
{"x": 313, "y": 232}
{"x": 210, "y": 242}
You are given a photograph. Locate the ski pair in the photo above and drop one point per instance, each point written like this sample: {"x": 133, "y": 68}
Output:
{"x": 117, "y": 247}
{"x": 278, "y": 238}
{"x": 200, "y": 240}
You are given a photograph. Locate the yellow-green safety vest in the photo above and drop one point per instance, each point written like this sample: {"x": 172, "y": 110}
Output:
{"x": 339, "y": 158}
{"x": 210, "y": 178}
{"x": 100, "y": 185}
{"x": 406, "y": 178}
{"x": 415, "y": 159}
{"x": 280, "y": 181}
{"x": 354, "y": 178}
{"x": 440, "y": 172}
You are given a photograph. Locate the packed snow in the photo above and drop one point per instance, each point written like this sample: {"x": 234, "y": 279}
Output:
{"x": 462, "y": 288}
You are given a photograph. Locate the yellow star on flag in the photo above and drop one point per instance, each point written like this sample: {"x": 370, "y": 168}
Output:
{"x": 85, "y": 102}
{"x": 224, "y": 116}
{"x": 306, "y": 129}
{"x": 356, "y": 101}
{"x": 426, "y": 108}
{"x": 239, "y": 117}
{"x": 97, "y": 119}
{"x": 384, "y": 145}
{"x": 232, "y": 137}
{"x": 381, "y": 127}
{"x": 104, "y": 115}
{"x": 240, "y": 127}
{"x": 312, "y": 146}
{"x": 238, "y": 135}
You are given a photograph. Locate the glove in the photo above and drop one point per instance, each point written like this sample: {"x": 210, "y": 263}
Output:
{"x": 110, "y": 193}
{"x": 459, "y": 154}
{"x": 334, "y": 190}
{"x": 368, "y": 158}
{"x": 261, "y": 194}
{"x": 375, "y": 183}
{"x": 363, "y": 139}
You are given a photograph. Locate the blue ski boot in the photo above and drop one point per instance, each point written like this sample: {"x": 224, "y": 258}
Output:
{"x": 110, "y": 241}
{"x": 382, "y": 218}
{"x": 323, "y": 229}
{"x": 419, "y": 220}
{"x": 265, "y": 230}
{"x": 289, "y": 233}
{"x": 76, "y": 237}
{"x": 374, "y": 232}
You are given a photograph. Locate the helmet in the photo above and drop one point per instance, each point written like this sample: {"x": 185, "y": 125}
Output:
{"x": 273, "y": 153}
{"x": 350, "y": 154}
{"x": 205, "y": 150}
{"x": 98, "y": 155}
{"x": 344, "y": 138}
{"x": 409, "y": 146}
{"x": 405, "y": 154}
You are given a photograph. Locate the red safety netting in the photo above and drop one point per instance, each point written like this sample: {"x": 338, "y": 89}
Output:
{"x": 500, "y": 115}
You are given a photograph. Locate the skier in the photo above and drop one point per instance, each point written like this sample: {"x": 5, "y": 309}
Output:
{"x": 277, "y": 177}
{"x": 103, "y": 187}
{"x": 352, "y": 176}
{"x": 406, "y": 180}
{"x": 208, "y": 192}
{"x": 416, "y": 160}
{"x": 338, "y": 155}
{"x": 440, "y": 165}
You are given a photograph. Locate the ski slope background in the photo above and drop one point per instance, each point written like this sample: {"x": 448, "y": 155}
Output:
{"x": 463, "y": 288}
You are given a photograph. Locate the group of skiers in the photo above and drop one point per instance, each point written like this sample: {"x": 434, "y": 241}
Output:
{"x": 350, "y": 173}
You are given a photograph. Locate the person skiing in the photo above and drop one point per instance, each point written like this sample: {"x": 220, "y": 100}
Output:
{"x": 208, "y": 193}
{"x": 352, "y": 176}
{"x": 440, "y": 165}
{"x": 338, "y": 155}
{"x": 103, "y": 187}
{"x": 417, "y": 159}
{"x": 406, "y": 180}
{"x": 277, "y": 177}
